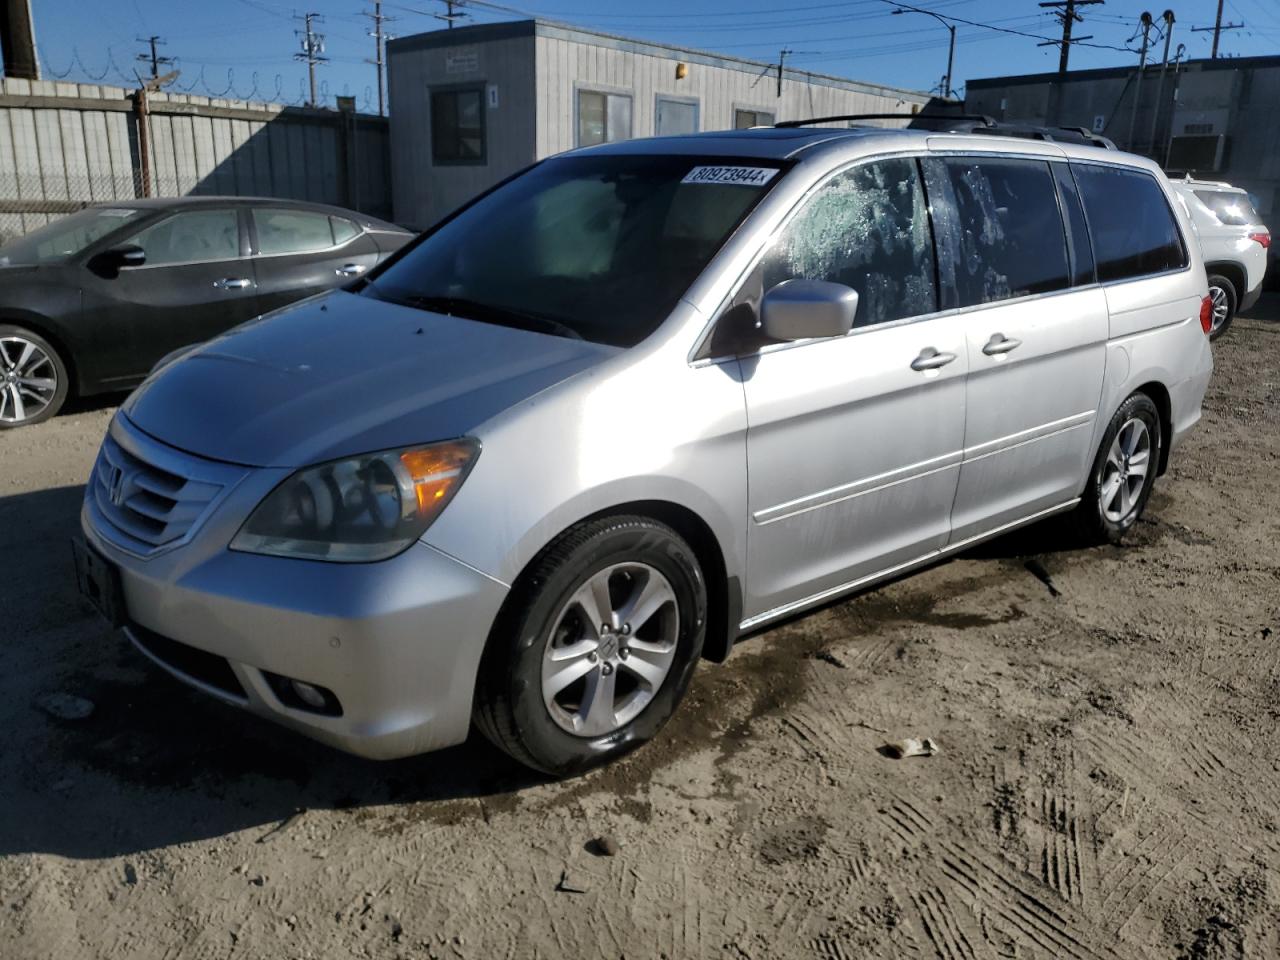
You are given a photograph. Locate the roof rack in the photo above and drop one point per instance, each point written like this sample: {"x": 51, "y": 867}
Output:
{"x": 972, "y": 117}
{"x": 974, "y": 123}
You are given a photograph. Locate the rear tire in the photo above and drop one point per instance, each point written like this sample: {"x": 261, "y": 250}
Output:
{"x": 1225, "y": 300}
{"x": 33, "y": 378}
{"x": 557, "y": 690}
{"x": 1123, "y": 474}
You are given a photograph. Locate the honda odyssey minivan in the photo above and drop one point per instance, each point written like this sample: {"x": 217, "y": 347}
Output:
{"x": 632, "y": 404}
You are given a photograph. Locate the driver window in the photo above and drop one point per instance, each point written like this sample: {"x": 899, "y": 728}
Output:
{"x": 191, "y": 237}
{"x": 867, "y": 228}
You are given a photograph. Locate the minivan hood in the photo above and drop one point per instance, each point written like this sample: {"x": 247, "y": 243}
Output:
{"x": 343, "y": 374}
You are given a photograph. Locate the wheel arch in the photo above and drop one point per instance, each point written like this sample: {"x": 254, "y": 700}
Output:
{"x": 1159, "y": 395}
{"x": 1232, "y": 271}
{"x": 724, "y": 592}
{"x": 48, "y": 332}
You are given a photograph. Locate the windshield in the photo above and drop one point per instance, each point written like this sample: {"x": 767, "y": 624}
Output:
{"x": 595, "y": 247}
{"x": 66, "y": 237}
{"x": 1233, "y": 209}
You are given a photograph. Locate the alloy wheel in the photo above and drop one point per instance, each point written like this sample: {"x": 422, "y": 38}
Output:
{"x": 1221, "y": 307}
{"x": 1125, "y": 471}
{"x": 610, "y": 649}
{"x": 28, "y": 379}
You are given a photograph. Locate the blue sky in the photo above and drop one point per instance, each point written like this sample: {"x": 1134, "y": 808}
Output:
{"x": 221, "y": 45}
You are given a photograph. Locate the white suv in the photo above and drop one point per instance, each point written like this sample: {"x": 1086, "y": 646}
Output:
{"x": 1234, "y": 242}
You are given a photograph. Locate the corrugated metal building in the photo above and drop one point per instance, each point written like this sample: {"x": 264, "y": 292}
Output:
{"x": 472, "y": 105}
{"x": 1215, "y": 119}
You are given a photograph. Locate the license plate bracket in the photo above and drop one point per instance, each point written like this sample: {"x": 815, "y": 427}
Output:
{"x": 99, "y": 582}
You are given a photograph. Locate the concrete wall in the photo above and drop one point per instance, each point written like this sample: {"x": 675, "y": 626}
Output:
{"x": 64, "y": 145}
{"x": 535, "y": 70}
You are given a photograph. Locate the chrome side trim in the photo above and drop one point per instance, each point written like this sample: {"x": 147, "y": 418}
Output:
{"x": 1042, "y": 432}
{"x": 832, "y": 592}
{"x": 857, "y": 488}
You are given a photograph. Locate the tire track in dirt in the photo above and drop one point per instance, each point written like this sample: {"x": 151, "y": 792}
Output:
{"x": 1065, "y": 861}
{"x": 942, "y": 926}
{"x": 1019, "y": 903}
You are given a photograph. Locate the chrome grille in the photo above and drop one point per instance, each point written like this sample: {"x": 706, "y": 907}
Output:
{"x": 148, "y": 497}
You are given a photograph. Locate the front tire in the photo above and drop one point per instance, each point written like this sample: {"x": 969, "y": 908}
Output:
{"x": 33, "y": 378}
{"x": 596, "y": 647}
{"x": 1124, "y": 472}
{"x": 1222, "y": 292}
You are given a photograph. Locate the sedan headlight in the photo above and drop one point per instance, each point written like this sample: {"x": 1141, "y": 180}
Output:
{"x": 359, "y": 509}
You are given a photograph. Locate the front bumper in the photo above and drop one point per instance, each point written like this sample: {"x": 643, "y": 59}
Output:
{"x": 398, "y": 642}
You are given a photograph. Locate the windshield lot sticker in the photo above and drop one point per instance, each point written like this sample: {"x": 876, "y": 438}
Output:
{"x": 740, "y": 176}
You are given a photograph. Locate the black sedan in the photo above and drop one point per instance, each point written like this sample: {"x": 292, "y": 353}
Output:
{"x": 90, "y": 302}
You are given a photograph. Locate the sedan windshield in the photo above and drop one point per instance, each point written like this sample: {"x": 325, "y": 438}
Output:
{"x": 594, "y": 247}
{"x": 66, "y": 237}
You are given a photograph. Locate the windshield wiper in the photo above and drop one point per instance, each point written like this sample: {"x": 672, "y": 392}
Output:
{"x": 486, "y": 313}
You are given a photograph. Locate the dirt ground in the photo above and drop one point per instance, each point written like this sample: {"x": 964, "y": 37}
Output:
{"x": 1109, "y": 782}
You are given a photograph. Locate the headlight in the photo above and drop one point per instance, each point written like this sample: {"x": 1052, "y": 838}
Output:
{"x": 359, "y": 509}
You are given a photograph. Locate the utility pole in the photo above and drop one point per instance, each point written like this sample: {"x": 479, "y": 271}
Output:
{"x": 1137, "y": 85}
{"x": 312, "y": 51}
{"x": 951, "y": 50}
{"x": 1217, "y": 28}
{"x": 782, "y": 57}
{"x": 153, "y": 57}
{"x": 1168, "y": 19}
{"x": 1067, "y": 16}
{"x": 452, "y": 14}
{"x": 380, "y": 41}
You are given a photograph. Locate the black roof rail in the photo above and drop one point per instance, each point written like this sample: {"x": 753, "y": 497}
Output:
{"x": 971, "y": 117}
{"x": 1030, "y": 131}
{"x": 975, "y": 123}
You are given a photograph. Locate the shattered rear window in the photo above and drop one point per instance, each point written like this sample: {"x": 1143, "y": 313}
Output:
{"x": 867, "y": 229}
{"x": 1004, "y": 216}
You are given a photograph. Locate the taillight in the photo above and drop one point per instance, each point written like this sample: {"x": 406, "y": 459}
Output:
{"x": 1263, "y": 237}
{"x": 1206, "y": 314}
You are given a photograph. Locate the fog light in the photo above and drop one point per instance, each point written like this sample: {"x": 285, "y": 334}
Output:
{"x": 301, "y": 695}
{"x": 309, "y": 695}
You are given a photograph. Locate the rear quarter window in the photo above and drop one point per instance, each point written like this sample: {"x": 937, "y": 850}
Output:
{"x": 1133, "y": 227}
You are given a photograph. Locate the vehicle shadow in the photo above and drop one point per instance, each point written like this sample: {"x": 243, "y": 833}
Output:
{"x": 157, "y": 763}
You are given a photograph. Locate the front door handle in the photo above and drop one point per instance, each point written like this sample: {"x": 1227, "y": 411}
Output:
{"x": 1000, "y": 344}
{"x": 350, "y": 270}
{"x": 931, "y": 359}
{"x": 232, "y": 283}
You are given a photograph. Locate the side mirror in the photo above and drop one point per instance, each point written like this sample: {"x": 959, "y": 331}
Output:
{"x": 808, "y": 309}
{"x": 110, "y": 262}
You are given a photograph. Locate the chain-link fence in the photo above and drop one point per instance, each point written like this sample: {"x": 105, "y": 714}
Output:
{"x": 64, "y": 146}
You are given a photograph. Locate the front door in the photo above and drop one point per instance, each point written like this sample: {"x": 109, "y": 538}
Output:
{"x": 299, "y": 252}
{"x": 194, "y": 285}
{"x": 1035, "y": 326}
{"x": 854, "y": 444}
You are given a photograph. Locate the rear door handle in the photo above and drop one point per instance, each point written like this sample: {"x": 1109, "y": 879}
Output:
{"x": 232, "y": 283}
{"x": 350, "y": 270}
{"x": 931, "y": 359}
{"x": 999, "y": 344}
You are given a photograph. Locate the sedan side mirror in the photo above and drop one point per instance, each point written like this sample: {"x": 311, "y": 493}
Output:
{"x": 110, "y": 262}
{"x": 808, "y": 309}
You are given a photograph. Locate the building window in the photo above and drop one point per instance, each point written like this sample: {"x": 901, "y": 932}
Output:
{"x": 603, "y": 117}
{"x": 675, "y": 117}
{"x": 457, "y": 126}
{"x": 744, "y": 119}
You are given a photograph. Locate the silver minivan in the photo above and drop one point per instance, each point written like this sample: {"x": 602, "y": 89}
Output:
{"x": 632, "y": 404}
